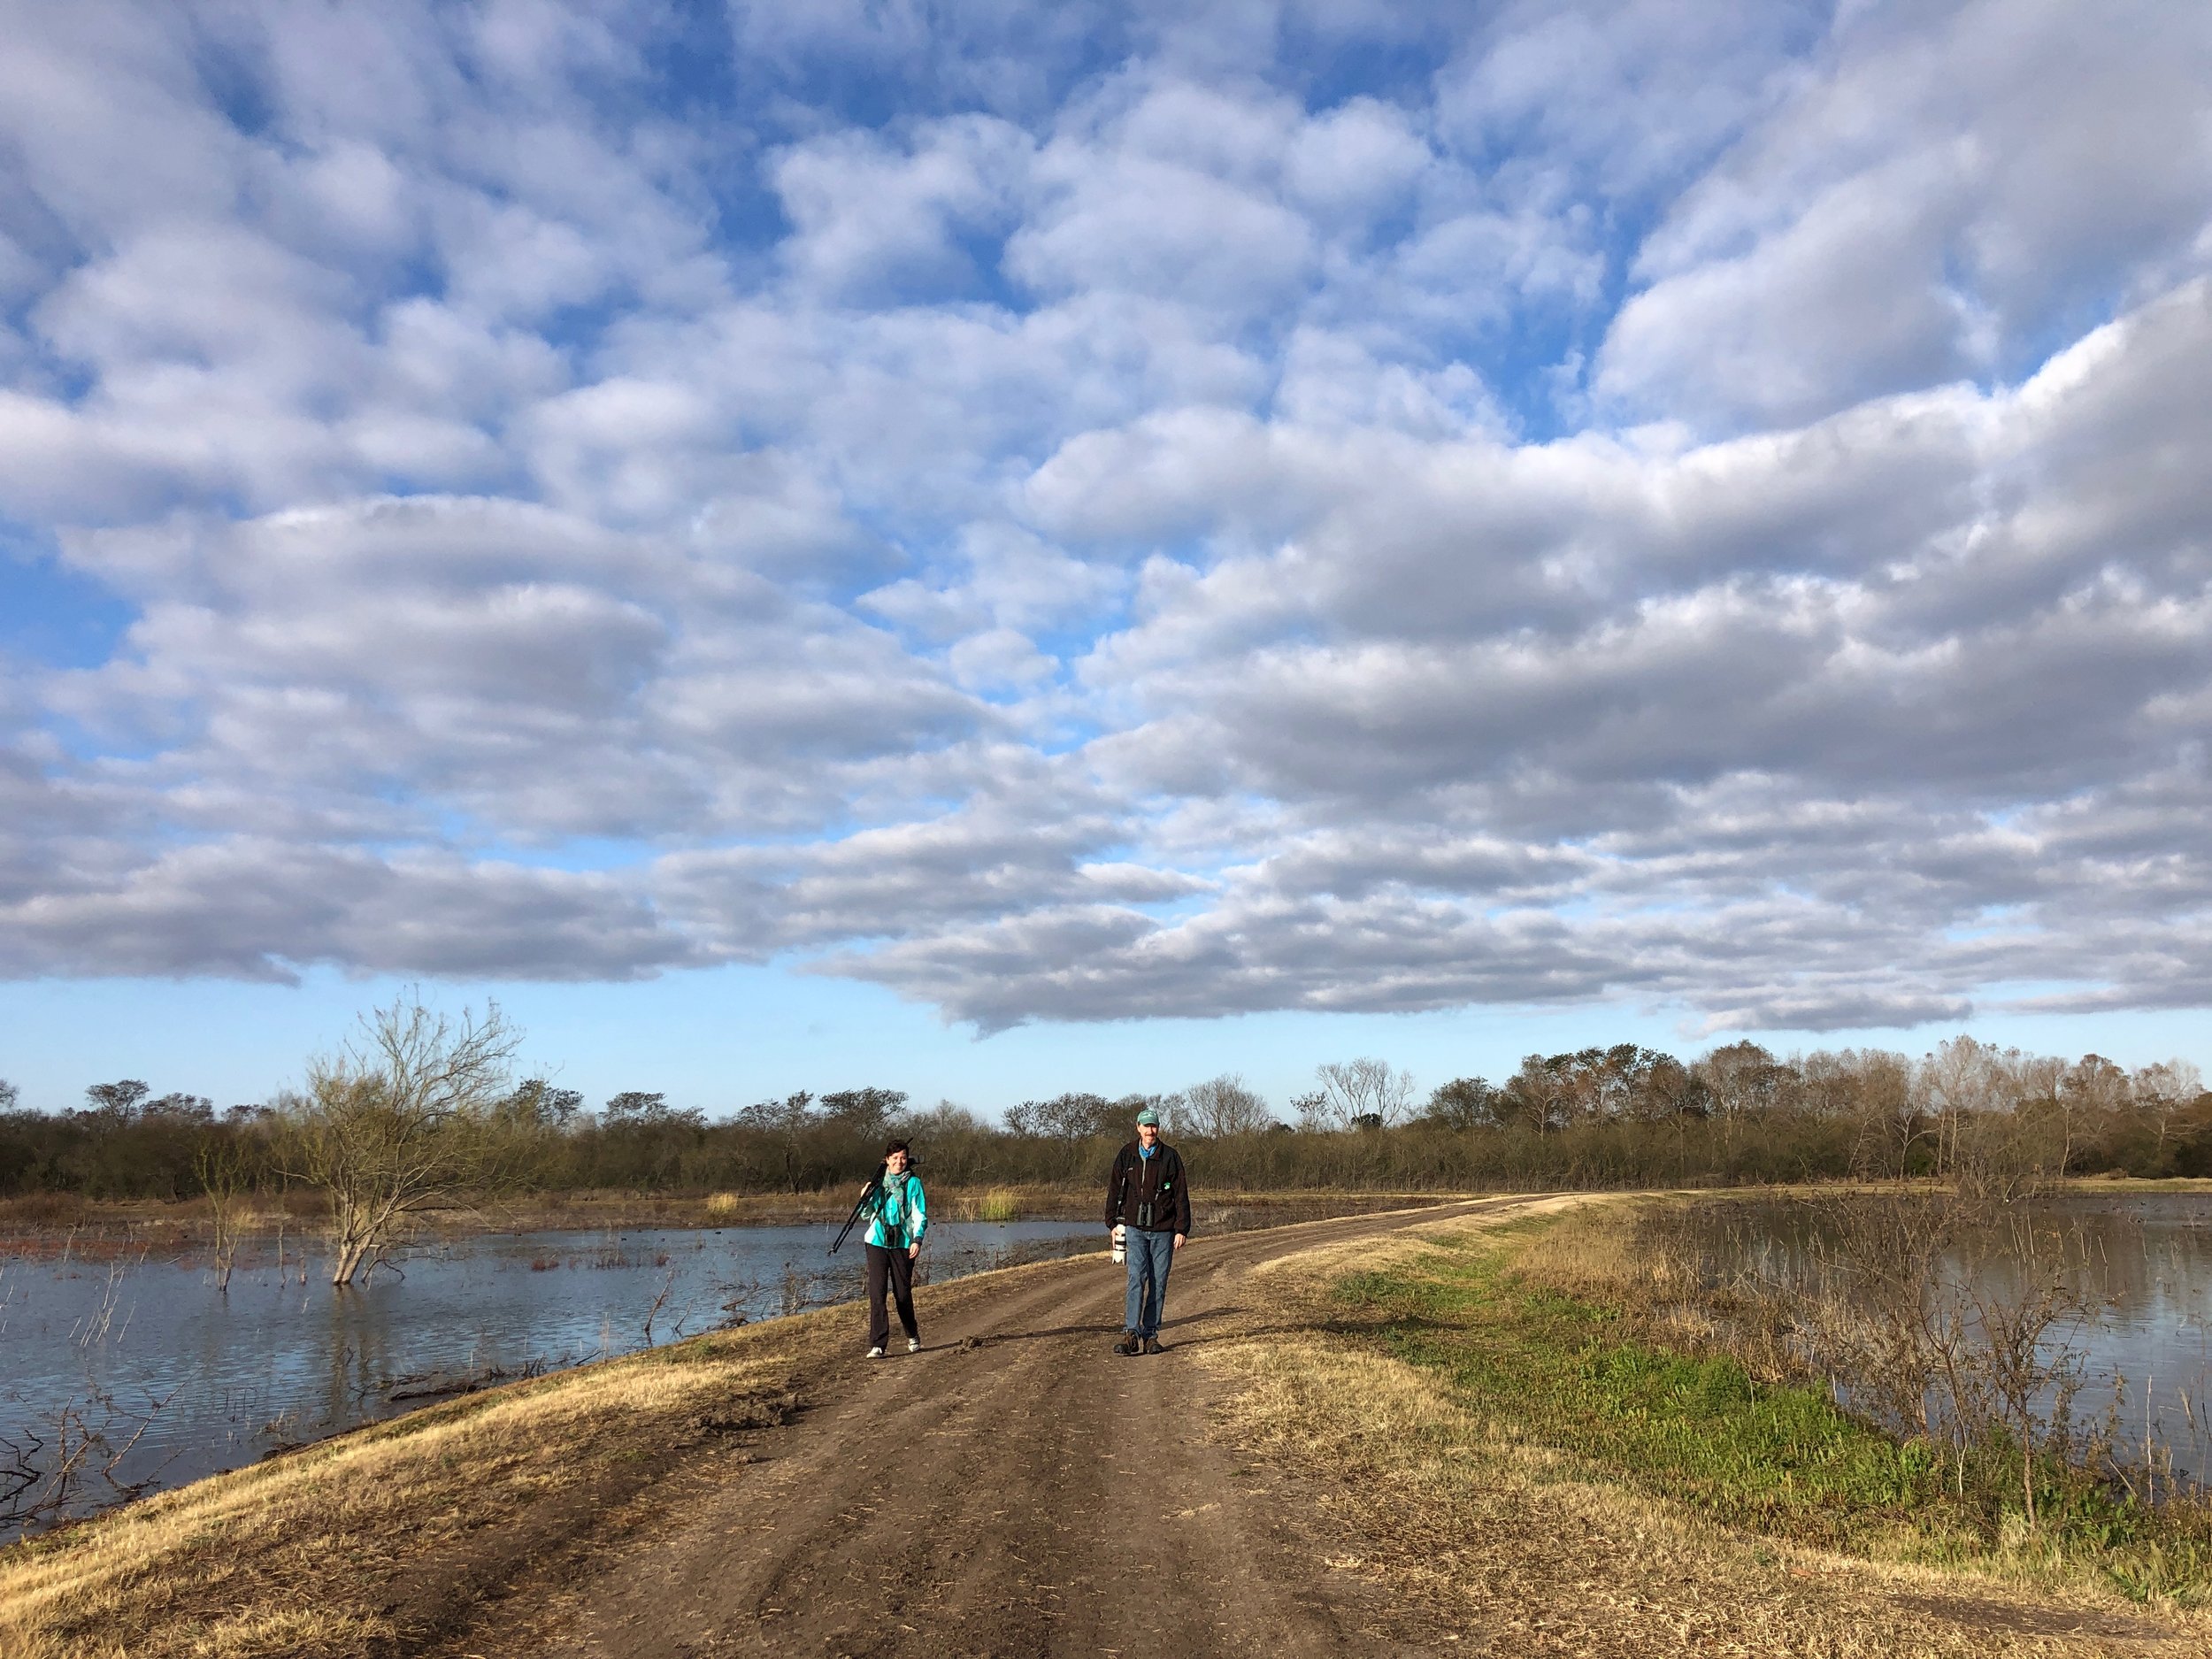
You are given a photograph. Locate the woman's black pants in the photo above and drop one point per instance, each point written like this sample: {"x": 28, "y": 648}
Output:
{"x": 897, "y": 1268}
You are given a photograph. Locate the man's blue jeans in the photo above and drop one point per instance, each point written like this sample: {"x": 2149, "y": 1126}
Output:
{"x": 1150, "y": 1255}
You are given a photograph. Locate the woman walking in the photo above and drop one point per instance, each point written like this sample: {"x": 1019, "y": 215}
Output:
{"x": 897, "y": 1217}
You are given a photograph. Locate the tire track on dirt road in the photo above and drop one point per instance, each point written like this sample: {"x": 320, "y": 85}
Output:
{"x": 1014, "y": 1489}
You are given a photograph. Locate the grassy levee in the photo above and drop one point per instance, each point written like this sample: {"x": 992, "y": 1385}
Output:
{"x": 1538, "y": 1464}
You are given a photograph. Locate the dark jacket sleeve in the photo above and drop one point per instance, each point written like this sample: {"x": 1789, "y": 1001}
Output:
{"x": 1114, "y": 1181}
{"x": 1182, "y": 1196}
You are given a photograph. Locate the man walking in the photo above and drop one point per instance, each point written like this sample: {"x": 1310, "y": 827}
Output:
{"x": 1147, "y": 1197}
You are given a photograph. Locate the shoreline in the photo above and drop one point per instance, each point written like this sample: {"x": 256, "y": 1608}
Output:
{"x": 38, "y": 1224}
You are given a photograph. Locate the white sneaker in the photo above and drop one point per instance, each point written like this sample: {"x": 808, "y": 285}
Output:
{"x": 875, "y": 1353}
{"x": 913, "y": 1345}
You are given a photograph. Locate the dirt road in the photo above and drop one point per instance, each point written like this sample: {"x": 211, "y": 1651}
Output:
{"x": 1014, "y": 1489}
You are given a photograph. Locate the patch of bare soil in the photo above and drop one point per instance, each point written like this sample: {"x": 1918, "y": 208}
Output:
{"x": 1986, "y": 1614}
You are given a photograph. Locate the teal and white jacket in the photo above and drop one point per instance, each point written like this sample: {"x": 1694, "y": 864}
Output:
{"x": 897, "y": 1215}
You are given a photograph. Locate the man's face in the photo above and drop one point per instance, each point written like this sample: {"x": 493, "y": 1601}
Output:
{"x": 1147, "y": 1133}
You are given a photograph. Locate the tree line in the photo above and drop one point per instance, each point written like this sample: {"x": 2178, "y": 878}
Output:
{"x": 435, "y": 1096}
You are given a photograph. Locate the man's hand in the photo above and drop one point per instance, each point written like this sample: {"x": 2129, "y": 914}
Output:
{"x": 913, "y": 1250}
{"x": 1179, "y": 1241}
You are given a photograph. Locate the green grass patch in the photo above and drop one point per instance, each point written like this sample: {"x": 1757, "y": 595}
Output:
{"x": 999, "y": 1204}
{"x": 1581, "y": 1378}
{"x": 1561, "y": 1372}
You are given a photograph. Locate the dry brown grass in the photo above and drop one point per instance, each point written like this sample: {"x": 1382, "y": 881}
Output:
{"x": 1531, "y": 1552}
{"x": 341, "y": 1548}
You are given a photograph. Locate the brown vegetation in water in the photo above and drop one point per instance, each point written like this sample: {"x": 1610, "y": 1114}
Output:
{"x": 1954, "y": 1324}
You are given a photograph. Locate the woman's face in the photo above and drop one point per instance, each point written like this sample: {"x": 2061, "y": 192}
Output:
{"x": 896, "y": 1163}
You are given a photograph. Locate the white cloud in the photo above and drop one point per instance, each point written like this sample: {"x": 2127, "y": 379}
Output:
{"x": 1354, "y": 164}
{"x": 871, "y": 223}
{"x": 250, "y": 909}
{"x": 1036, "y": 507}
{"x": 1941, "y": 199}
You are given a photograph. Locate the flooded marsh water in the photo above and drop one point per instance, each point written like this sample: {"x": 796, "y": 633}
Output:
{"x": 136, "y": 1363}
{"x": 2135, "y": 1333}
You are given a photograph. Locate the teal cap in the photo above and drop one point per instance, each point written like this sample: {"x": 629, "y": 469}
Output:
{"x": 1148, "y": 1116}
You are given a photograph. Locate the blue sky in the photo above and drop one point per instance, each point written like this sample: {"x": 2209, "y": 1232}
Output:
{"x": 1013, "y": 548}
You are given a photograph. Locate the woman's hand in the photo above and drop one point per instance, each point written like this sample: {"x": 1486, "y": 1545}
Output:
{"x": 913, "y": 1250}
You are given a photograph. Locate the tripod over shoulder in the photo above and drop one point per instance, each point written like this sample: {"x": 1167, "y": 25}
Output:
{"x": 867, "y": 1194}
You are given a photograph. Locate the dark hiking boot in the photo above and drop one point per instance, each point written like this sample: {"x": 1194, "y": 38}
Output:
{"x": 1130, "y": 1343}
{"x": 1152, "y": 1346}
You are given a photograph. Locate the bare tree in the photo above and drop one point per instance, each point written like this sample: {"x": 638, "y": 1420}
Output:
{"x": 862, "y": 1111}
{"x": 220, "y": 1163}
{"x": 1962, "y": 1079}
{"x": 537, "y": 1101}
{"x": 953, "y": 1141}
{"x": 1538, "y": 1093}
{"x": 1360, "y": 1093}
{"x": 1464, "y": 1103}
{"x": 403, "y": 1119}
{"x": 1075, "y": 1116}
{"x": 1220, "y": 1106}
{"x": 2162, "y": 1090}
{"x": 782, "y": 1122}
{"x": 638, "y": 1106}
{"x": 1871, "y": 1088}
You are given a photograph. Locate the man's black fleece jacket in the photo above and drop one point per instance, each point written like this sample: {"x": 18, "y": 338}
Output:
{"x": 1158, "y": 1181}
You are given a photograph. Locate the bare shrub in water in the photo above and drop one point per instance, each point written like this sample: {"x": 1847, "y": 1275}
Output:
{"x": 1950, "y": 1320}
{"x": 223, "y": 1177}
{"x": 407, "y": 1119}
{"x": 2028, "y": 1329}
{"x": 1947, "y": 1319}
{"x": 69, "y": 1464}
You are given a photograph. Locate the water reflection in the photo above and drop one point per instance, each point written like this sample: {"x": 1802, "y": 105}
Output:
{"x": 144, "y": 1345}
